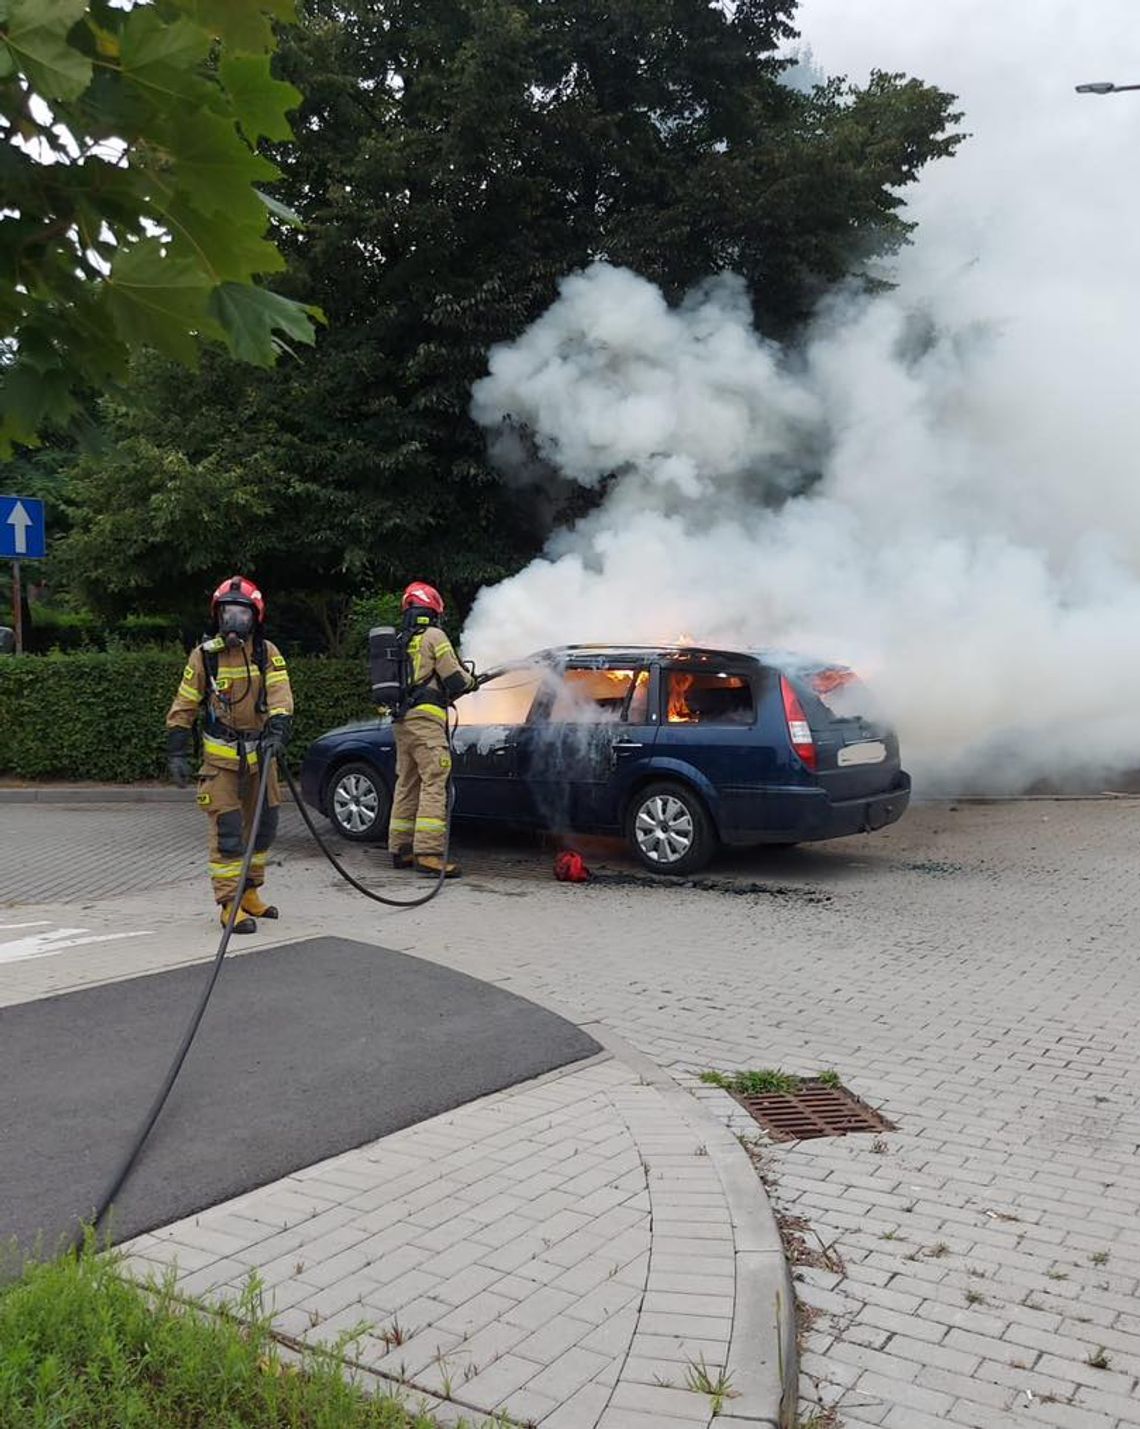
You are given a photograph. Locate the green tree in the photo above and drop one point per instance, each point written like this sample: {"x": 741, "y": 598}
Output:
{"x": 454, "y": 159}
{"x": 128, "y": 173}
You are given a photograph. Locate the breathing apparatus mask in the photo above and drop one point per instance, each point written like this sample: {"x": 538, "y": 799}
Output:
{"x": 236, "y": 623}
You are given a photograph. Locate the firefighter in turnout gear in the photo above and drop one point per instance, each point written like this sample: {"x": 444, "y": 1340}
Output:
{"x": 417, "y": 830}
{"x": 239, "y": 682}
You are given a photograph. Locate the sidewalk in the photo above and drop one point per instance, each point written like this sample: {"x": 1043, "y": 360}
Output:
{"x": 589, "y": 1249}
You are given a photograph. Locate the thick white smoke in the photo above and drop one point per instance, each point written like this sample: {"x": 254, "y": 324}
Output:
{"x": 972, "y": 541}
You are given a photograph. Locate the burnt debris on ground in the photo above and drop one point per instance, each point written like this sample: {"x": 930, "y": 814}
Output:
{"x": 735, "y": 887}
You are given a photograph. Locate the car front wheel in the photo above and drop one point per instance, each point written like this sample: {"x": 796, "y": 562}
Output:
{"x": 669, "y": 830}
{"x": 357, "y": 803}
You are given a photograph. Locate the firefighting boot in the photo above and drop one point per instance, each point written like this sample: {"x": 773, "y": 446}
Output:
{"x": 431, "y": 863}
{"x": 251, "y": 903}
{"x": 241, "y": 925}
{"x": 402, "y": 856}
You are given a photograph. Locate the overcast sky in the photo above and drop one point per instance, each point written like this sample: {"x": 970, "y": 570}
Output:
{"x": 1040, "y": 153}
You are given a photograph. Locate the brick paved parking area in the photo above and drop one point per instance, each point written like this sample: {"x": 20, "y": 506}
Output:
{"x": 975, "y": 973}
{"x": 972, "y": 971}
{"x": 66, "y": 853}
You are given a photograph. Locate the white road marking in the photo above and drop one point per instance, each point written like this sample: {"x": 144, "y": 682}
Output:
{"x": 41, "y": 945}
{"x": 7, "y": 927}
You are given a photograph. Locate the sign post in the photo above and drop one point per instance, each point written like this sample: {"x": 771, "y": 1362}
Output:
{"x": 23, "y": 537}
{"x": 17, "y": 608}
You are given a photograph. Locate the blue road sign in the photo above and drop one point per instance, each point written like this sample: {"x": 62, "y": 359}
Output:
{"x": 23, "y": 536}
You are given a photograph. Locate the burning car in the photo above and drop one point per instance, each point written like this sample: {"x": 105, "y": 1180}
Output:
{"x": 679, "y": 748}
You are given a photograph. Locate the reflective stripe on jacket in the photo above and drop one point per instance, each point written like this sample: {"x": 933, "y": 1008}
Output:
{"x": 437, "y": 676}
{"x": 232, "y": 706}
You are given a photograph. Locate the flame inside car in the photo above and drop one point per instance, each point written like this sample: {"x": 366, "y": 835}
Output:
{"x": 843, "y": 692}
{"x": 679, "y": 711}
{"x": 696, "y": 696}
{"x": 824, "y": 682}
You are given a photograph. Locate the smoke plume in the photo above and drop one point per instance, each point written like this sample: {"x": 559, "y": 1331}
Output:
{"x": 937, "y": 485}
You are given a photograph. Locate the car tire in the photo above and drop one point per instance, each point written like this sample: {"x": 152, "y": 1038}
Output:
{"x": 357, "y": 803}
{"x": 668, "y": 829}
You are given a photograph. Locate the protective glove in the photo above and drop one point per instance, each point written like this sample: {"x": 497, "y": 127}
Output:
{"x": 179, "y": 746}
{"x": 276, "y": 734}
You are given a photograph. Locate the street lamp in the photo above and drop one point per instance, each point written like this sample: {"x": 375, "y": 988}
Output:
{"x": 1102, "y": 87}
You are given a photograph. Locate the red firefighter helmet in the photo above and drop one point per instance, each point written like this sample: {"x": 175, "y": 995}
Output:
{"x": 420, "y": 593}
{"x": 237, "y": 590}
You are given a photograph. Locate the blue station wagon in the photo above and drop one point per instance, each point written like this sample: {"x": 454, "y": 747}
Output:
{"x": 678, "y": 748}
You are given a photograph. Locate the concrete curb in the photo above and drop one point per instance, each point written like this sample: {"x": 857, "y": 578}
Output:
{"x": 763, "y": 1321}
{"x": 109, "y": 794}
{"x": 105, "y": 794}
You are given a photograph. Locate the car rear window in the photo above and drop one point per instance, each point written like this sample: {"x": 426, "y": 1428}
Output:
{"x": 708, "y": 697}
{"x": 841, "y": 692}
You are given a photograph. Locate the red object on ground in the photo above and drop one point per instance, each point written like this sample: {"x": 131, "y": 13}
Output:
{"x": 570, "y": 868}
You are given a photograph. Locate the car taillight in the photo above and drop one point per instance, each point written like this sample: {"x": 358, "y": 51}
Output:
{"x": 799, "y": 731}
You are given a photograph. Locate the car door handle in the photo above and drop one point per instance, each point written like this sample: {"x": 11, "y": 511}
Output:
{"x": 619, "y": 745}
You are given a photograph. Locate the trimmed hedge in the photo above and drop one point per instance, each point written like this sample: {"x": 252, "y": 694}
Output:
{"x": 102, "y": 716}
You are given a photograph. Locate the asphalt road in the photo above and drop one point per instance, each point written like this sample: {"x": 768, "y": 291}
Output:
{"x": 305, "y": 1052}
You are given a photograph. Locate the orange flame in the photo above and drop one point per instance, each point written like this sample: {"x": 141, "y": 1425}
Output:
{"x": 679, "y": 686}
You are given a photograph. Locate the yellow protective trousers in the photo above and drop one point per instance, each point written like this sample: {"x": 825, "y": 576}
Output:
{"x": 228, "y": 796}
{"x": 423, "y": 769}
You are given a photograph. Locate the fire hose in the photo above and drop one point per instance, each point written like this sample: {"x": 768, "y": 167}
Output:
{"x": 87, "y": 1232}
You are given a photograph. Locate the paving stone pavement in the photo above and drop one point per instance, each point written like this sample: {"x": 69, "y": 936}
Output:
{"x": 971, "y": 971}
{"x": 499, "y": 1255}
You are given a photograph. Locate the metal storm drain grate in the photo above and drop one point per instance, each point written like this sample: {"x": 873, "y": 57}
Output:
{"x": 812, "y": 1109}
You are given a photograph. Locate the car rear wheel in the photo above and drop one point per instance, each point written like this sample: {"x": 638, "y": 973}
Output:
{"x": 357, "y": 803}
{"x": 669, "y": 830}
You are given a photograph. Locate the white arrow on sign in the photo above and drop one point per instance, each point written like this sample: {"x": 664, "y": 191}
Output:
{"x": 19, "y": 520}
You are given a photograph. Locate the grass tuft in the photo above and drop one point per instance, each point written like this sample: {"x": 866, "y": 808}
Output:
{"x": 83, "y": 1347}
{"x": 753, "y": 1082}
{"x": 699, "y": 1378}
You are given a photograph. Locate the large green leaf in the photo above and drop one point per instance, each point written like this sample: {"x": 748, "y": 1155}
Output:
{"x": 164, "y": 58}
{"x": 260, "y": 101}
{"x": 159, "y": 300}
{"x": 224, "y": 249}
{"x": 37, "y": 41}
{"x": 214, "y": 167}
{"x": 241, "y": 25}
{"x": 250, "y": 318}
{"x": 27, "y": 396}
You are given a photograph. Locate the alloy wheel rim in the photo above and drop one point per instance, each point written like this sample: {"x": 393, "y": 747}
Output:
{"x": 355, "y": 803}
{"x": 664, "y": 829}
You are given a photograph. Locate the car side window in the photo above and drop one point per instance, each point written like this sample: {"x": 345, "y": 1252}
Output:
{"x": 505, "y": 699}
{"x": 590, "y": 695}
{"x": 708, "y": 697}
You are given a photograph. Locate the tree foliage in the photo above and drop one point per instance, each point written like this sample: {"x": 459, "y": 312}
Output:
{"x": 129, "y": 174}
{"x": 453, "y": 161}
